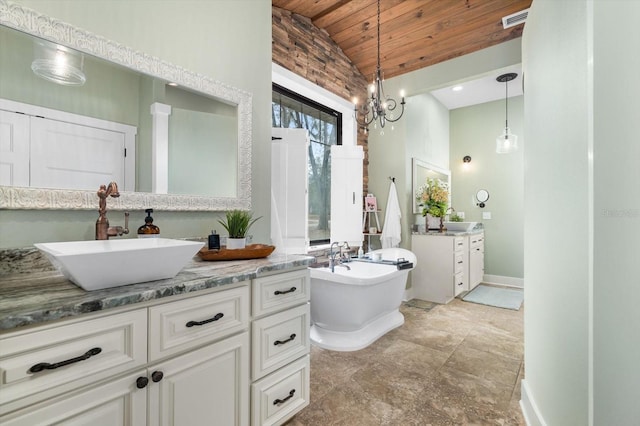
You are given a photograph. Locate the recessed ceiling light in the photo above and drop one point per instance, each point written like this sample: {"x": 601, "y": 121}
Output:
{"x": 172, "y": 84}
{"x": 457, "y": 88}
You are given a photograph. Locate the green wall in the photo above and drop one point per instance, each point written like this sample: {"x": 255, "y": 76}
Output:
{"x": 424, "y": 132}
{"x": 473, "y": 132}
{"x": 227, "y": 40}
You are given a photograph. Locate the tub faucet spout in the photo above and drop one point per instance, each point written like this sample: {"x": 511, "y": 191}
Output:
{"x": 332, "y": 255}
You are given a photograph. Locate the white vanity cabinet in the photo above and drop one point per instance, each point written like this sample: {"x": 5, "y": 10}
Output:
{"x": 184, "y": 361}
{"x": 476, "y": 260}
{"x": 442, "y": 271}
{"x": 280, "y": 347}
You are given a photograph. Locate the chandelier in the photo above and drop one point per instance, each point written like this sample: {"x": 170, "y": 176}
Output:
{"x": 379, "y": 106}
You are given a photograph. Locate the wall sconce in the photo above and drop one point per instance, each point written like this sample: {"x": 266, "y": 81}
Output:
{"x": 465, "y": 162}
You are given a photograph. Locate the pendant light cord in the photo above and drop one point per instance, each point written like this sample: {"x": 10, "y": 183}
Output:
{"x": 506, "y": 104}
{"x": 378, "y": 34}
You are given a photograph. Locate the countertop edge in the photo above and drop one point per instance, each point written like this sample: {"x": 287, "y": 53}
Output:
{"x": 32, "y": 299}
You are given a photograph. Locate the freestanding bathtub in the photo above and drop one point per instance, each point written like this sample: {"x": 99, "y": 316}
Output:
{"x": 352, "y": 308}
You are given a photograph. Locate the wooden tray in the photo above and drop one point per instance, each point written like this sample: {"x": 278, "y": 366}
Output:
{"x": 251, "y": 251}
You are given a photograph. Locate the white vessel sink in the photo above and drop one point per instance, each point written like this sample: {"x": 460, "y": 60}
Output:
{"x": 460, "y": 226}
{"x": 94, "y": 265}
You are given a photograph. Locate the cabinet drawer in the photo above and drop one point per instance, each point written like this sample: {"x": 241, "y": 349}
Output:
{"x": 476, "y": 241}
{"x": 458, "y": 267}
{"x": 459, "y": 244}
{"x": 278, "y": 292}
{"x": 45, "y": 362}
{"x": 458, "y": 284}
{"x": 279, "y": 339}
{"x": 280, "y": 395}
{"x": 188, "y": 323}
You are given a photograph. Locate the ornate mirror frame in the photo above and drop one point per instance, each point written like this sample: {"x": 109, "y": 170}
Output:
{"x": 34, "y": 23}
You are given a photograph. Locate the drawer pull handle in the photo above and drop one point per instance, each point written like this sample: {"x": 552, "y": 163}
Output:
{"x": 283, "y": 400}
{"x": 291, "y": 290}
{"x": 46, "y": 366}
{"x": 282, "y": 342}
{"x": 459, "y": 263}
{"x": 215, "y": 318}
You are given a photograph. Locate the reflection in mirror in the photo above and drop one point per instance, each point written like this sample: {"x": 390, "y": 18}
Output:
{"x": 202, "y": 143}
{"x": 423, "y": 170}
{"x": 120, "y": 92}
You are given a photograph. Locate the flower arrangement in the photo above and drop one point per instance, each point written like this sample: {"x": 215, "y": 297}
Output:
{"x": 433, "y": 196}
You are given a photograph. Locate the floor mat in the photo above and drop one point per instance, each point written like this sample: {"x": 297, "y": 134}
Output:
{"x": 500, "y": 297}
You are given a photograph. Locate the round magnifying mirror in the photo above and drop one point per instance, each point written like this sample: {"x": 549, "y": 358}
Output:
{"x": 482, "y": 196}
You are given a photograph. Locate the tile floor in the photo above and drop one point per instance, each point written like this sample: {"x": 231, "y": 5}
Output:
{"x": 454, "y": 364}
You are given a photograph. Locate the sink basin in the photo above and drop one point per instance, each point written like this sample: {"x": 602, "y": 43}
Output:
{"x": 460, "y": 226}
{"x": 94, "y": 265}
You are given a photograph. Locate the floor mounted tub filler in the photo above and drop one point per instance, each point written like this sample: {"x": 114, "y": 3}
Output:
{"x": 353, "y": 307}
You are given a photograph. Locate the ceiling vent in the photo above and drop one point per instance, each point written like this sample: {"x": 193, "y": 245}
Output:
{"x": 515, "y": 19}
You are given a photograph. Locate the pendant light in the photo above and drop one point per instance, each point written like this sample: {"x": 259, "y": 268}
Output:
{"x": 506, "y": 142}
{"x": 58, "y": 64}
{"x": 379, "y": 106}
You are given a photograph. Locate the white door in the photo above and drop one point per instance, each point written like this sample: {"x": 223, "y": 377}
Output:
{"x": 203, "y": 387}
{"x": 116, "y": 403}
{"x": 346, "y": 194}
{"x": 74, "y": 156}
{"x": 289, "y": 190}
{"x": 14, "y": 149}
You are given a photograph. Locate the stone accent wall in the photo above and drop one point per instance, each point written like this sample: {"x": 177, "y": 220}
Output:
{"x": 308, "y": 51}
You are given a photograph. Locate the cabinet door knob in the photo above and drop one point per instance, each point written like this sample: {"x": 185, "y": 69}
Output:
{"x": 156, "y": 376}
{"x": 141, "y": 382}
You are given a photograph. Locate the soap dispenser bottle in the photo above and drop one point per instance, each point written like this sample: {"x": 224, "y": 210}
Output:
{"x": 148, "y": 230}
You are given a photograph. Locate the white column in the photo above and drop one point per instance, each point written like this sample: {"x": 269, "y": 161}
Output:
{"x": 160, "y": 148}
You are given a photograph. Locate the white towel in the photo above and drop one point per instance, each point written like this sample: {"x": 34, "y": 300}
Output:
{"x": 391, "y": 232}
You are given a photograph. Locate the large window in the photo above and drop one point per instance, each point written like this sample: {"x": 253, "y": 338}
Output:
{"x": 324, "y": 124}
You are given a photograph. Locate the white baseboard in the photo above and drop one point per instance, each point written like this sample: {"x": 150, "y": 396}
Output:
{"x": 502, "y": 280}
{"x": 408, "y": 294}
{"x": 530, "y": 411}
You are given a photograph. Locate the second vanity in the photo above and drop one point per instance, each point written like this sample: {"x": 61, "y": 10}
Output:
{"x": 449, "y": 264}
{"x": 223, "y": 343}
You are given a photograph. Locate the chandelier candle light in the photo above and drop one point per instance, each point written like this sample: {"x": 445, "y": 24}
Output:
{"x": 379, "y": 106}
{"x": 506, "y": 142}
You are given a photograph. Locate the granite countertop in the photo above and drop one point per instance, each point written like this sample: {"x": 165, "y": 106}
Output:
{"x": 451, "y": 233}
{"x": 45, "y": 295}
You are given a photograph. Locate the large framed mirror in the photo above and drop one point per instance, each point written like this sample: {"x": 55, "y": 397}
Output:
{"x": 421, "y": 172}
{"x": 218, "y": 114}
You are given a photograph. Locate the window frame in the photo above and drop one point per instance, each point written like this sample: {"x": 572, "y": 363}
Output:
{"x": 324, "y": 109}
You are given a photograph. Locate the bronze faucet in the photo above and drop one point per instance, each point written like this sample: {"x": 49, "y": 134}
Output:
{"x": 103, "y": 230}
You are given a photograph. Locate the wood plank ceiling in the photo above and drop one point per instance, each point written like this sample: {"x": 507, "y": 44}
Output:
{"x": 413, "y": 33}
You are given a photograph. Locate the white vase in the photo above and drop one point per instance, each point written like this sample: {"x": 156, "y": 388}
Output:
{"x": 236, "y": 243}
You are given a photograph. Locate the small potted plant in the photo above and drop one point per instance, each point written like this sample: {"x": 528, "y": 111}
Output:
{"x": 237, "y": 223}
{"x": 455, "y": 218}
